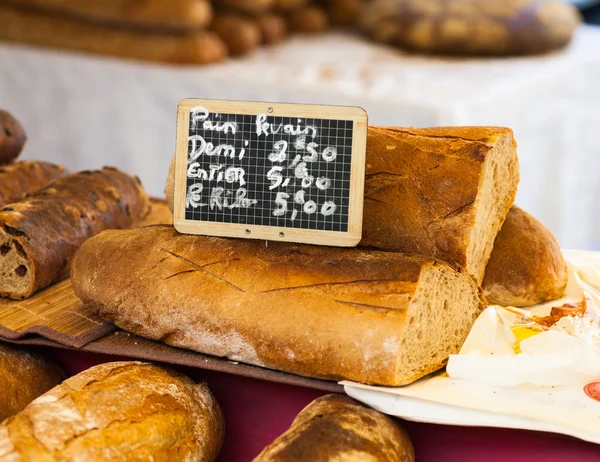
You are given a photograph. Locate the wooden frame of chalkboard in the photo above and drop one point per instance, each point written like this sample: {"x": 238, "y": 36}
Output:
{"x": 274, "y": 171}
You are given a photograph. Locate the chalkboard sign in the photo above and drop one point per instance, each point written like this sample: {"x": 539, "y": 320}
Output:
{"x": 286, "y": 172}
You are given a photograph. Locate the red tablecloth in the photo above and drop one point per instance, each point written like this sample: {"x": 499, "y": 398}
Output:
{"x": 256, "y": 412}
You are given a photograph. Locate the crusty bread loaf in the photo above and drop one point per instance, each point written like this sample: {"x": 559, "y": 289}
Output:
{"x": 273, "y": 28}
{"x": 12, "y": 138}
{"x": 527, "y": 265}
{"x": 441, "y": 192}
{"x": 24, "y": 375}
{"x": 22, "y": 178}
{"x": 333, "y": 313}
{"x": 337, "y": 428}
{"x": 342, "y": 12}
{"x": 36, "y": 28}
{"x": 40, "y": 234}
{"x": 172, "y": 14}
{"x": 310, "y": 19}
{"x": 124, "y": 411}
{"x": 471, "y": 27}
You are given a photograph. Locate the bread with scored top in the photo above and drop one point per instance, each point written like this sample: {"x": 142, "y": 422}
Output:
{"x": 19, "y": 179}
{"x": 368, "y": 316}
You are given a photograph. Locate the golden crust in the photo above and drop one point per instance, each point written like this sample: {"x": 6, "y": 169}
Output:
{"x": 527, "y": 265}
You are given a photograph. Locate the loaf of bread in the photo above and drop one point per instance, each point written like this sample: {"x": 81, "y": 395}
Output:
{"x": 527, "y": 265}
{"x": 36, "y": 28}
{"x": 310, "y": 19}
{"x": 22, "y": 178}
{"x": 240, "y": 34}
{"x": 12, "y": 138}
{"x": 372, "y": 317}
{"x": 123, "y": 411}
{"x": 337, "y": 428}
{"x": 471, "y": 27}
{"x": 342, "y": 12}
{"x": 246, "y": 6}
{"x": 40, "y": 234}
{"x": 440, "y": 192}
{"x": 24, "y": 375}
{"x": 163, "y": 14}
{"x": 273, "y": 28}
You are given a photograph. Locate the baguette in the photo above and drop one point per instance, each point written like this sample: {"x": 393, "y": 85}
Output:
{"x": 337, "y": 428}
{"x": 24, "y": 375}
{"x": 471, "y": 27}
{"x": 372, "y": 317}
{"x": 527, "y": 266}
{"x": 22, "y": 178}
{"x": 35, "y": 28}
{"x": 161, "y": 14}
{"x": 123, "y": 411}
{"x": 440, "y": 192}
{"x": 39, "y": 235}
{"x": 12, "y": 138}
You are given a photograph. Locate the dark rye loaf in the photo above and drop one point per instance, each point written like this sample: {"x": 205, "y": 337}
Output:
{"x": 374, "y": 317}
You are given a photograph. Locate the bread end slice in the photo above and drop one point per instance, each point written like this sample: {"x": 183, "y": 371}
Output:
{"x": 16, "y": 268}
{"x": 441, "y": 313}
{"x": 497, "y": 190}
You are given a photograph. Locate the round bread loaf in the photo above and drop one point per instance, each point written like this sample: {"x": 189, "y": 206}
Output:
{"x": 12, "y": 138}
{"x": 471, "y": 27}
{"x": 337, "y": 428}
{"x": 526, "y": 266}
{"x": 122, "y": 411}
{"x": 24, "y": 375}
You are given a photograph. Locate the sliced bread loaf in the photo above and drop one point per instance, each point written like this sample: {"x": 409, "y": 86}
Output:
{"x": 368, "y": 316}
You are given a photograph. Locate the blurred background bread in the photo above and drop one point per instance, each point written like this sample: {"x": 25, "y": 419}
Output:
{"x": 12, "y": 138}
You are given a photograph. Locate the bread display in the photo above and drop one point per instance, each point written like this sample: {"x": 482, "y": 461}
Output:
{"x": 527, "y": 265}
{"x": 37, "y": 28}
{"x": 40, "y": 234}
{"x": 24, "y": 375}
{"x": 332, "y": 313}
{"x": 471, "y": 27}
{"x": 22, "y": 178}
{"x": 175, "y": 14}
{"x": 12, "y": 138}
{"x": 441, "y": 192}
{"x": 335, "y": 427}
{"x": 122, "y": 411}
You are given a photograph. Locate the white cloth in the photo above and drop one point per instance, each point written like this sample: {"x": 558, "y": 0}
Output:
{"x": 85, "y": 111}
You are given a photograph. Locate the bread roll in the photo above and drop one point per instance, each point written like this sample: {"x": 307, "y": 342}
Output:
{"x": 174, "y": 14}
{"x": 337, "y": 428}
{"x": 24, "y": 375}
{"x": 239, "y": 34}
{"x": 22, "y": 178}
{"x": 471, "y": 27}
{"x": 12, "y": 138}
{"x": 440, "y": 192}
{"x": 527, "y": 265}
{"x": 331, "y": 313}
{"x": 39, "y": 235}
{"x": 123, "y": 411}
{"x": 273, "y": 28}
{"x": 35, "y": 28}
{"x": 342, "y": 12}
{"x": 247, "y": 6}
{"x": 311, "y": 19}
